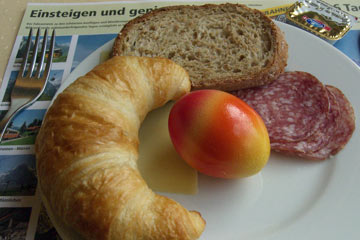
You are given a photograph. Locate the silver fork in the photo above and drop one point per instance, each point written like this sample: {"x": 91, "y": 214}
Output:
{"x": 29, "y": 87}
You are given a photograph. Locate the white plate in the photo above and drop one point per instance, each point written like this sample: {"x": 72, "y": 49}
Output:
{"x": 291, "y": 198}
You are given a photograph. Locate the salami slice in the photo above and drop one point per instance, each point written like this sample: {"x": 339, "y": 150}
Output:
{"x": 345, "y": 120}
{"x": 340, "y": 127}
{"x": 292, "y": 107}
{"x": 303, "y": 116}
{"x": 316, "y": 146}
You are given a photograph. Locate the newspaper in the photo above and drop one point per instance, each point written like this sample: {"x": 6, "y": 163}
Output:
{"x": 81, "y": 29}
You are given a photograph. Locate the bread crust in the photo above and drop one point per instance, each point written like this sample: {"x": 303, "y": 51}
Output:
{"x": 87, "y": 148}
{"x": 274, "y": 67}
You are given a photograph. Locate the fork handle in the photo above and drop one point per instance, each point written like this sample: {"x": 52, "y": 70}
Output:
{"x": 15, "y": 107}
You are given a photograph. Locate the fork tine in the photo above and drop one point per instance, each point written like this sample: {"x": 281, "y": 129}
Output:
{"x": 50, "y": 56}
{"x": 43, "y": 51}
{"x": 32, "y": 66}
{"x": 26, "y": 55}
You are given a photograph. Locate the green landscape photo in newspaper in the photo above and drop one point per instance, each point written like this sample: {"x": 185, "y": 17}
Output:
{"x": 24, "y": 127}
{"x": 17, "y": 175}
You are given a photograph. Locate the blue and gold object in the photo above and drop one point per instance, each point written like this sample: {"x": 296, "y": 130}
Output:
{"x": 321, "y": 19}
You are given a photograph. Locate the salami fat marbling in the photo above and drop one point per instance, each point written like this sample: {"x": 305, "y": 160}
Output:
{"x": 303, "y": 116}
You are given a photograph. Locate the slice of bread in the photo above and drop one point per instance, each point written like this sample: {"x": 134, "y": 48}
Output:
{"x": 226, "y": 46}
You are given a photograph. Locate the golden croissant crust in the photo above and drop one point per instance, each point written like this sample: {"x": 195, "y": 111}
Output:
{"x": 87, "y": 149}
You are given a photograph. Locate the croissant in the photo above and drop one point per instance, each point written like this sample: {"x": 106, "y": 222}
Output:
{"x": 87, "y": 150}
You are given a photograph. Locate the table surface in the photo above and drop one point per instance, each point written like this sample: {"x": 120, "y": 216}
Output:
{"x": 12, "y": 13}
